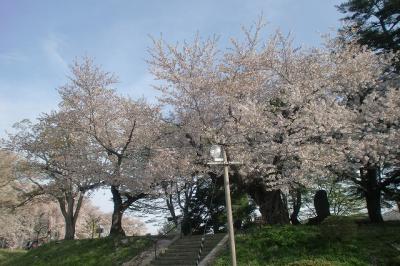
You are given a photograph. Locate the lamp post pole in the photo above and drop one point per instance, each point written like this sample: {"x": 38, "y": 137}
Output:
{"x": 229, "y": 209}
{"x": 218, "y": 154}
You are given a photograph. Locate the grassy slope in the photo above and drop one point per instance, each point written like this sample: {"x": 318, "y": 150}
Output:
{"x": 104, "y": 251}
{"x": 7, "y": 254}
{"x": 303, "y": 245}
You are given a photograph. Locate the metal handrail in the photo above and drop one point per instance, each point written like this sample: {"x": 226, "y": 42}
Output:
{"x": 158, "y": 237}
{"x": 180, "y": 233}
{"x": 203, "y": 238}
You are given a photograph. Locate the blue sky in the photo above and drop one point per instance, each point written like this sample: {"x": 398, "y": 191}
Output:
{"x": 39, "y": 39}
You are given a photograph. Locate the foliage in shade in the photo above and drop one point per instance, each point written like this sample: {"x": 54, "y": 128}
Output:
{"x": 374, "y": 23}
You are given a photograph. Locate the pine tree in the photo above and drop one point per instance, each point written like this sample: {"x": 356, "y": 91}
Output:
{"x": 375, "y": 23}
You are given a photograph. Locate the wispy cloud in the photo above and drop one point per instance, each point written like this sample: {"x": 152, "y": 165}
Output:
{"x": 12, "y": 57}
{"x": 20, "y": 99}
{"x": 52, "y": 46}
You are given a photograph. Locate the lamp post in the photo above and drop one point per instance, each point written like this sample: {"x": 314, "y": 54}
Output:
{"x": 218, "y": 154}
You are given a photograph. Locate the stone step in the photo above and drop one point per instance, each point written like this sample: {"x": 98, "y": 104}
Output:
{"x": 193, "y": 245}
{"x": 181, "y": 248}
{"x": 187, "y": 249}
{"x": 187, "y": 259}
{"x": 181, "y": 257}
{"x": 174, "y": 250}
{"x": 192, "y": 240}
{"x": 184, "y": 251}
{"x": 196, "y": 240}
{"x": 175, "y": 262}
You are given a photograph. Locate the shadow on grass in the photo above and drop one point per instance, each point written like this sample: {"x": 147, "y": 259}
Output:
{"x": 305, "y": 245}
{"x": 103, "y": 251}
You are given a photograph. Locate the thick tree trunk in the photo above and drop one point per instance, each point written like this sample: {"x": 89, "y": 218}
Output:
{"x": 296, "y": 198}
{"x": 120, "y": 207}
{"x": 373, "y": 195}
{"x": 70, "y": 213}
{"x": 116, "y": 222}
{"x": 277, "y": 211}
{"x": 322, "y": 208}
{"x": 116, "y": 225}
{"x": 69, "y": 228}
{"x": 272, "y": 204}
{"x": 186, "y": 226}
{"x": 321, "y": 204}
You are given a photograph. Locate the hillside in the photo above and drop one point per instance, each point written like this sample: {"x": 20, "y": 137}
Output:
{"x": 363, "y": 244}
{"x": 103, "y": 251}
{"x": 307, "y": 245}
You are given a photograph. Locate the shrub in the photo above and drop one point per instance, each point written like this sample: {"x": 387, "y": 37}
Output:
{"x": 338, "y": 228}
{"x": 314, "y": 262}
{"x": 394, "y": 261}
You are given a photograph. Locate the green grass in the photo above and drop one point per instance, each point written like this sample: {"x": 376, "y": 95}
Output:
{"x": 103, "y": 251}
{"x": 304, "y": 245}
{"x": 8, "y": 254}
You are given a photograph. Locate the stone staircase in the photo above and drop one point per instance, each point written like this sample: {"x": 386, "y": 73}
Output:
{"x": 185, "y": 250}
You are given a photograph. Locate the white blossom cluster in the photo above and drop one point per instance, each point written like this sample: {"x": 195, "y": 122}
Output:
{"x": 290, "y": 114}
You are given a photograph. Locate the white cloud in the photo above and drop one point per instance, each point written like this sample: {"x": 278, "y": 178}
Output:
{"x": 52, "y": 47}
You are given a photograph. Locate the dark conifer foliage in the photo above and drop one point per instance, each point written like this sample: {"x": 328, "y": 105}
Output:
{"x": 376, "y": 23}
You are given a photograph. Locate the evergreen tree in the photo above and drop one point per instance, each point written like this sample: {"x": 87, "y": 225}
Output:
{"x": 375, "y": 23}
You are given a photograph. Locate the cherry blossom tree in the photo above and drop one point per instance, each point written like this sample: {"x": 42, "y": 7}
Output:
{"x": 59, "y": 163}
{"x": 37, "y": 220}
{"x": 371, "y": 150}
{"x": 92, "y": 219}
{"x": 281, "y": 110}
{"x": 121, "y": 128}
{"x": 9, "y": 163}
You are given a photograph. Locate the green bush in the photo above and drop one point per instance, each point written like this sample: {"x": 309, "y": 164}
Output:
{"x": 338, "y": 228}
{"x": 314, "y": 262}
{"x": 394, "y": 261}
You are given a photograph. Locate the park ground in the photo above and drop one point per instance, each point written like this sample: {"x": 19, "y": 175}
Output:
{"x": 99, "y": 252}
{"x": 304, "y": 245}
{"x": 365, "y": 244}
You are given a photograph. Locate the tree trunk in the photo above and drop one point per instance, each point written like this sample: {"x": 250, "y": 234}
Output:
{"x": 69, "y": 228}
{"x": 272, "y": 204}
{"x": 67, "y": 204}
{"x": 171, "y": 208}
{"x": 277, "y": 211}
{"x": 321, "y": 204}
{"x": 373, "y": 195}
{"x": 119, "y": 209}
{"x": 116, "y": 223}
{"x": 93, "y": 229}
{"x": 296, "y": 198}
{"x": 186, "y": 226}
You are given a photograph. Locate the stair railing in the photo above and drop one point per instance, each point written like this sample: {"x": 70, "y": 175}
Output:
{"x": 158, "y": 237}
{"x": 203, "y": 238}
